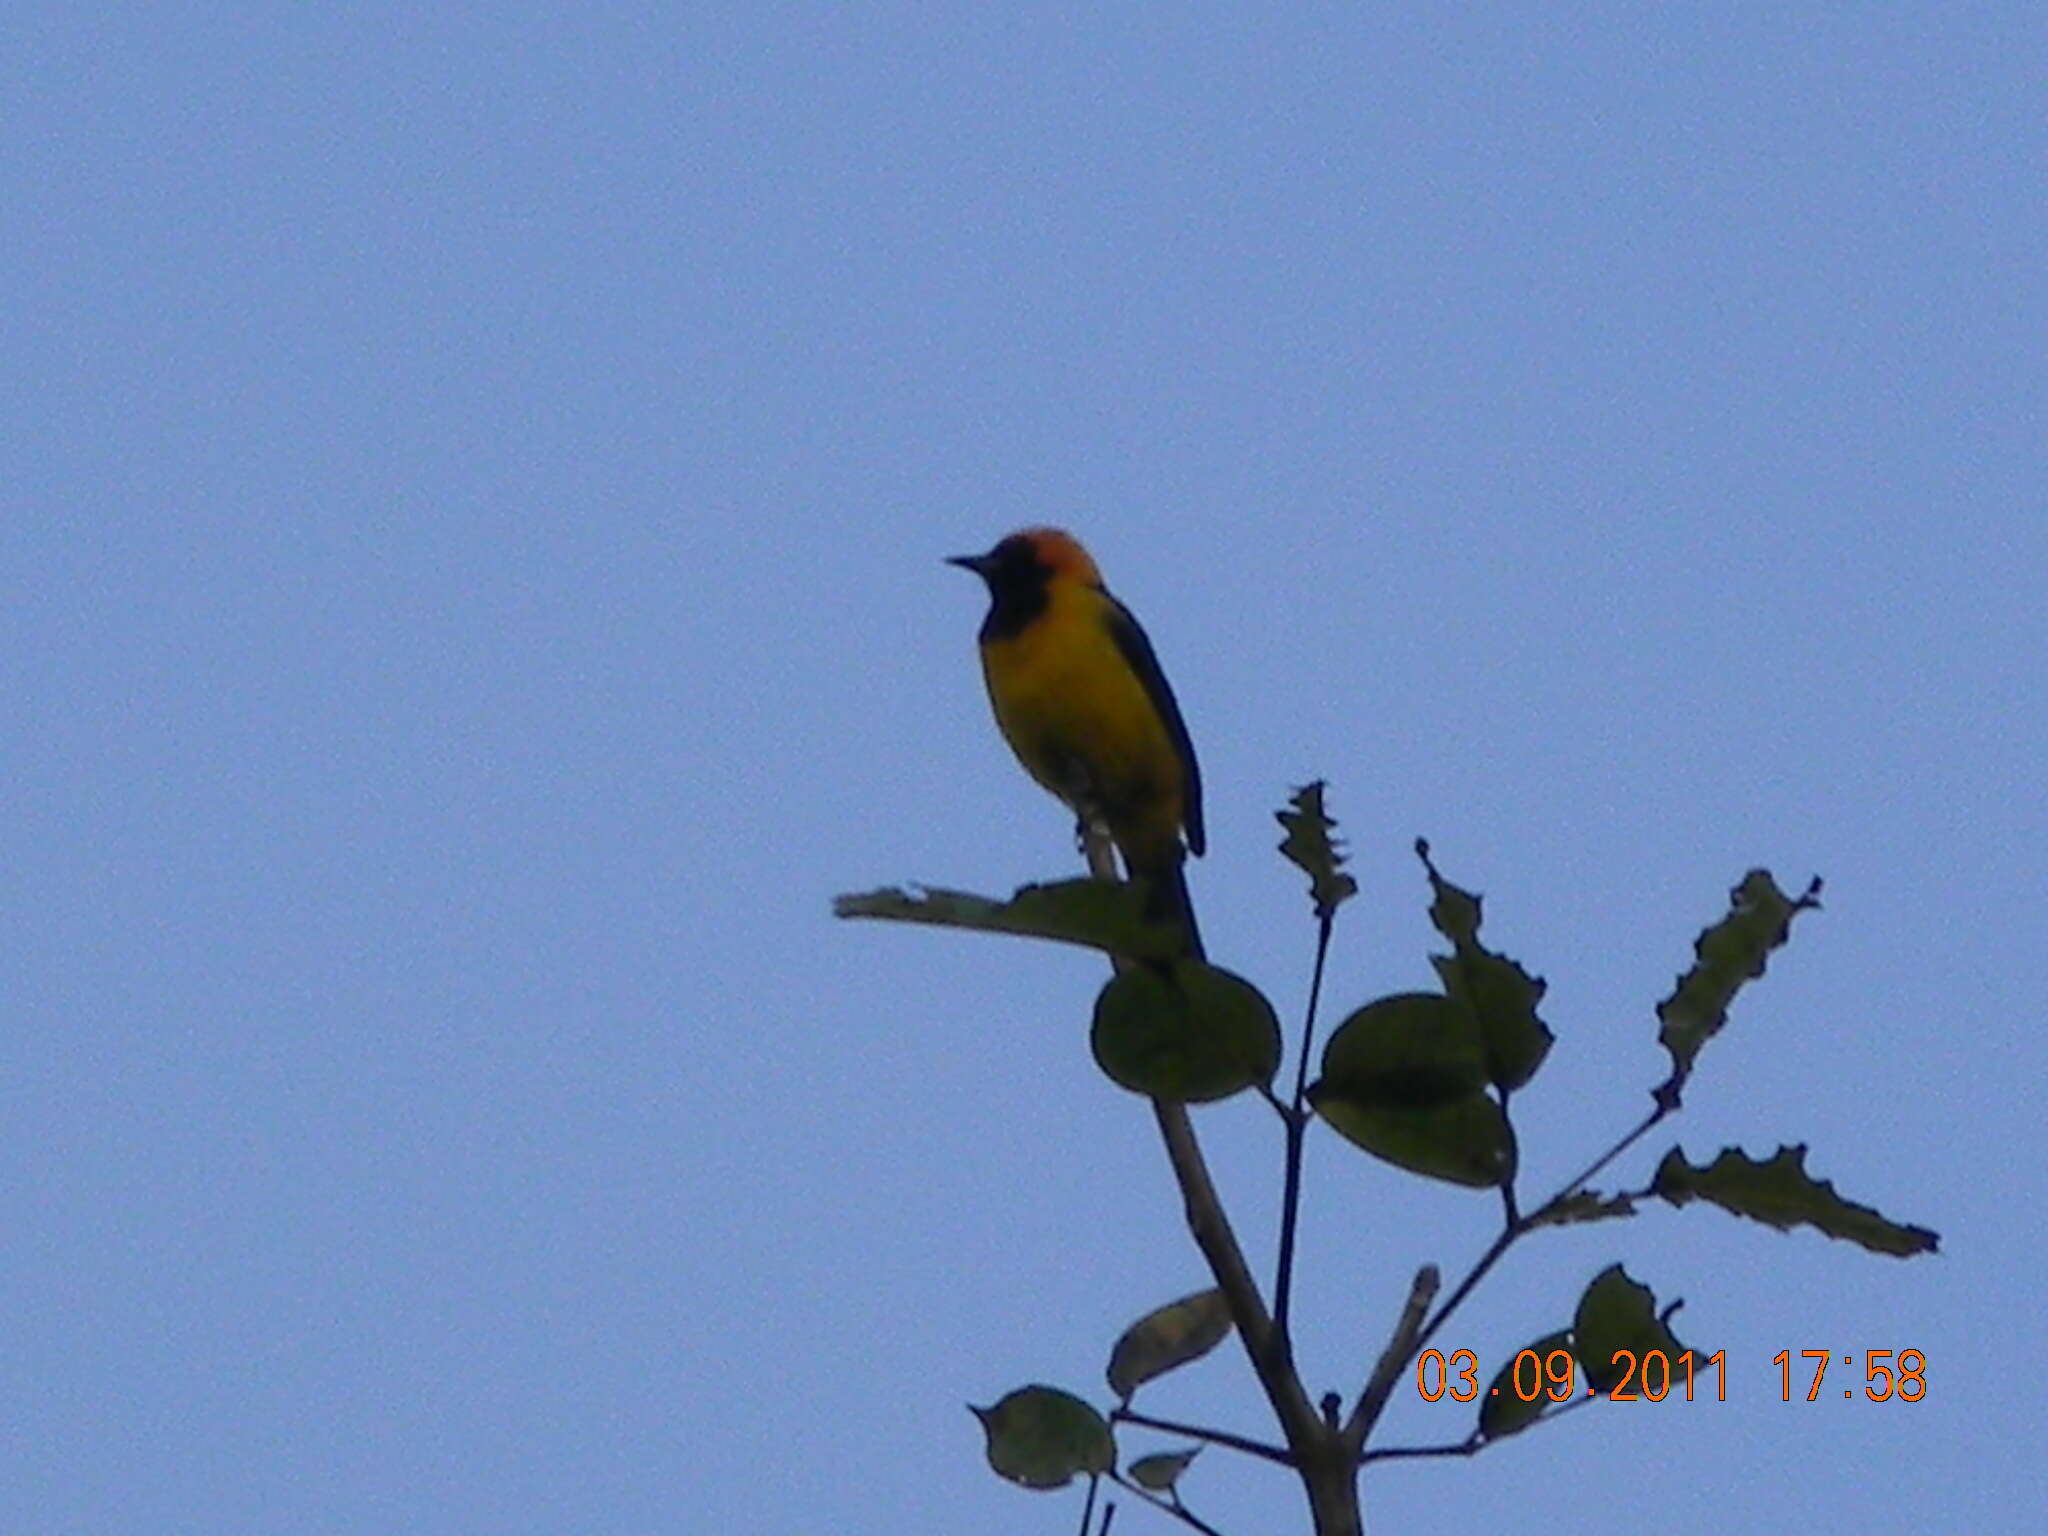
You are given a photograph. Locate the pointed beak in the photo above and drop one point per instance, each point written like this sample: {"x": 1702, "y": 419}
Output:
{"x": 978, "y": 564}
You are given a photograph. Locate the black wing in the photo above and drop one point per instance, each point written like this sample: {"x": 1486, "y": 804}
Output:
{"x": 1137, "y": 650}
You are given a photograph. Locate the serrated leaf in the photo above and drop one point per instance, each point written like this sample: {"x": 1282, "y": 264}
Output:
{"x": 1108, "y": 915}
{"x": 1782, "y": 1194}
{"x": 1162, "y": 1469}
{"x": 1500, "y": 994}
{"x": 1586, "y": 1205}
{"x": 1311, "y": 845}
{"x": 1189, "y": 1033}
{"x": 1166, "y": 1338}
{"x": 1728, "y": 954}
{"x": 1464, "y": 1140}
{"x": 1041, "y": 1437}
{"x": 1618, "y": 1316}
{"x": 1504, "y": 1411}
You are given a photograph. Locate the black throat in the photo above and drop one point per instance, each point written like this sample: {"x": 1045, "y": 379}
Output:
{"x": 1019, "y": 589}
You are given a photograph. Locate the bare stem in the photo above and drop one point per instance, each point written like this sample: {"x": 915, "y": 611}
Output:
{"x": 1196, "y": 1432}
{"x": 1175, "y": 1508}
{"x": 1621, "y": 1146}
{"x": 1469, "y": 1446}
{"x": 1477, "y": 1273}
{"x": 1473, "y": 1443}
{"x": 1297, "y": 1136}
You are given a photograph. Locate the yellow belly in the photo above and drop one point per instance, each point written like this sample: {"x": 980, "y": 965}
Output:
{"x": 1082, "y": 724}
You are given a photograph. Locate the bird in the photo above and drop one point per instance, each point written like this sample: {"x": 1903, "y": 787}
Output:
{"x": 1079, "y": 695}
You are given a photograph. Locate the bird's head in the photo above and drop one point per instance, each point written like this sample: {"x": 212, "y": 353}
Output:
{"x": 1031, "y": 558}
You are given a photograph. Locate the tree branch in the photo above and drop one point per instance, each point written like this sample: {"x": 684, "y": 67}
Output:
{"x": 1393, "y": 1359}
{"x": 1331, "y": 1487}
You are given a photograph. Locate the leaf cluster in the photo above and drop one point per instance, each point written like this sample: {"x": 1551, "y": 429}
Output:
{"x": 1423, "y": 1081}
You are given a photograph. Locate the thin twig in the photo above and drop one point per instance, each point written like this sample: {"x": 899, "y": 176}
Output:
{"x": 1474, "y": 1443}
{"x": 1469, "y": 1446}
{"x": 1621, "y": 1146}
{"x": 1178, "y": 1510}
{"x": 1195, "y": 1432}
{"x": 1297, "y": 1136}
{"x": 1478, "y": 1271}
{"x": 1315, "y": 996}
{"x": 1516, "y": 1227}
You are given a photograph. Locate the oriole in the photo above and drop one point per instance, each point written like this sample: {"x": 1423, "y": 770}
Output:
{"x": 1080, "y": 698}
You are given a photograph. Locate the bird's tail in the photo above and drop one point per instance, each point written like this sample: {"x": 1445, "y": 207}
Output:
{"x": 1167, "y": 900}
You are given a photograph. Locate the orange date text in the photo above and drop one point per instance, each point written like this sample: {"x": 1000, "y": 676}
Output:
{"x": 1648, "y": 1376}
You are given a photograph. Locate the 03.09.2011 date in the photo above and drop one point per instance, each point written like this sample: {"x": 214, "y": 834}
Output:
{"x": 1654, "y": 1375}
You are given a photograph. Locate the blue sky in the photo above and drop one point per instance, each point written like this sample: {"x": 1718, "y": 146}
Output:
{"x": 477, "y": 478}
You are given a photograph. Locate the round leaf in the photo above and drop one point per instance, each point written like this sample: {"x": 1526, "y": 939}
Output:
{"x": 1188, "y": 1033}
{"x": 1465, "y": 1141}
{"x": 1413, "y": 1050}
{"x": 1041, "y": 1437}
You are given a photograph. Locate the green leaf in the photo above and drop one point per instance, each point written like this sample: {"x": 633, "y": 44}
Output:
{"x": 1586, "y": 1205}
{"x": 1166, "y": 1338}
{"x": 1503, "y": 1411}
{"x": 1410, "y": 1050}
{"x": 1403, "y": 1078}
{"x": 1041, "y": 1437}
{"x": 1729, "y": 953}
{"x": 1162, "y": 1469}
{"x": 1782, "y": 1194}
{"x": 1501, "y": 995}
{"x": 1311, "y": 845}
{"x": 1461, "y": 1141}
{"x": 1189, "y": 1033}
{"x": 1617, "y": 1317}
{"x": 1100, "y": 914}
